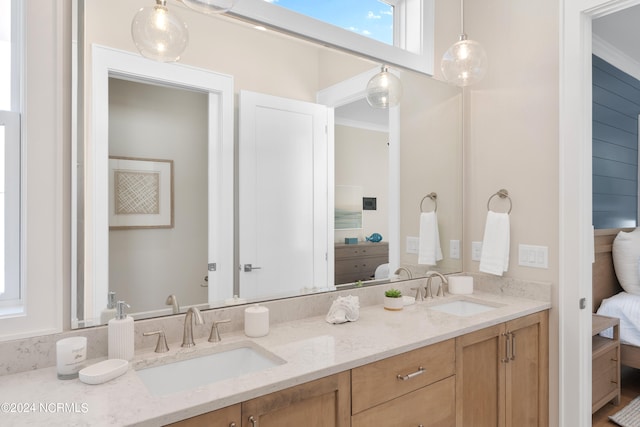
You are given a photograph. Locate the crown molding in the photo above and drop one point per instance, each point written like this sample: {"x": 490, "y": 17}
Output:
{"x": 615, "y": 57}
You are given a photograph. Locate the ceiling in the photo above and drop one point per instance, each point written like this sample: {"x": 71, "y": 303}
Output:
{"x": 620, "y": 29}
{"x": 361, "y": 114}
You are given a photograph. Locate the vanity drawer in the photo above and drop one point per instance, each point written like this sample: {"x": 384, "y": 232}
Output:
{"x": 378, "y": 382}
{"x": 430, "y": 406}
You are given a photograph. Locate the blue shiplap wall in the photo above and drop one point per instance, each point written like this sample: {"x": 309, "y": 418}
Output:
{"x": 616, "y": 105}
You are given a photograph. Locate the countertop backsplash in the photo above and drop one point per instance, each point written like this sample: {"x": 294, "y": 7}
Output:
{"x": 39, "y": 352}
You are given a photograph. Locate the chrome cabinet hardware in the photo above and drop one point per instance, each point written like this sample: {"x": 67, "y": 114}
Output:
{"x": 232, "y": 424}
{"x": 513, "y": 346}
{"x": 506, "y": 348}
{"x": 420, "y": 371}
{"x": 253, "y": 421}
{"x": 509, "y": 347}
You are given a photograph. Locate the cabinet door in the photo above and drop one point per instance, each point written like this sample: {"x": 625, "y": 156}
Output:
{"x": 322, "y": 403}
{"x": 480, "y": 378}
{"x": 527, "y": 372}
{"x": 430, "y": 406}
{"x": 225, "y": 417}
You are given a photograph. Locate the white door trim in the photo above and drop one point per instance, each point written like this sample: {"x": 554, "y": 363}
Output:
{"x": 575, "y": 236}
{"x": 354, "y": 89}
{"x": 108, "y": 62}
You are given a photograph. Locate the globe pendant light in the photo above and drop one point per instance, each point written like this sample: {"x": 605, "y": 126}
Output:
{"x": 384, "y": 90}
{"x": 465, "y": 62}
{"x": 158, "y": 34}
{"x": 210, "y": 6}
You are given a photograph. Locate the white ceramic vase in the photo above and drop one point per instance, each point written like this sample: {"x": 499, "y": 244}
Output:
{"x": 393, "y": 304}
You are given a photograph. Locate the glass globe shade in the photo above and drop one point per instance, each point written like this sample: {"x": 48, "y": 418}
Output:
{"x": 210, "y": 6}
{"x": 384, "y": 90}
{"x": 158, "y": 34}
{"x": 464, "y": 63}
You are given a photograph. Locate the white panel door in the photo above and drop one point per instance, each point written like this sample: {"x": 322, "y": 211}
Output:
{"x": 283, "y": 197}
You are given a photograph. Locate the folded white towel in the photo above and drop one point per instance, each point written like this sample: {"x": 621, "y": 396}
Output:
{"x": 344, "y": 309}
{"x": 495, "y": 245}
{"x": 429, "y": 251}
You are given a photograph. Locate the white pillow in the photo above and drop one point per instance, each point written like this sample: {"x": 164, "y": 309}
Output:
{"x": 626, "y": 257}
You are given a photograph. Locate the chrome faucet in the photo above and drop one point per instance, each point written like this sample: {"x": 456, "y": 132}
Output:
{"x": 172, "y": 300}
{"x": 443, "y": 280}
{"x": 187, "y": 337}
{"x": 405, "y": 269}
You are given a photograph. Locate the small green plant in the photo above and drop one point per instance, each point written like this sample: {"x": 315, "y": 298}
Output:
{"x": 393, "y": 293}
{"x": 359, "y": 283}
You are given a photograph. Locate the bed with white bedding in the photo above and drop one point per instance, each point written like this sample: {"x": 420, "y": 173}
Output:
{"x": 625, "y": 307}
{"x": 609, "y": 297}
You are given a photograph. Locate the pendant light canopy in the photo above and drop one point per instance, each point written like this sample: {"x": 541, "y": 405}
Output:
{"x": 210, "y": 6}
{"x": 158, "y": 34}
{"x": 384, "y": 90}
{"x": 465, "y": 62}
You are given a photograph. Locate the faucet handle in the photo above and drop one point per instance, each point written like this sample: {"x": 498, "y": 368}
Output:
{"x": 161, "y": 345}
{"x": 214, "y": 336}
{"x": 419, "y": 296}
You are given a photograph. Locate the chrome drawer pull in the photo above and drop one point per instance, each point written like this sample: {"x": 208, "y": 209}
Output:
{"x": 513, "y": 346}
{"x": 420, "y": 371}
{"x": 232, "y": 424}
{"x": 506, "y": 349}
{"x": 253, "y": 421}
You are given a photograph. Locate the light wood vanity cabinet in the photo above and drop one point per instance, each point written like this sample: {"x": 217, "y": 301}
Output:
{"x": 416, "y": 388}
{"x": 395, "y": 376}
{"x": 225, "y": 417}
{"x": 502, "y": 374}
{"x": 321, "y": 403}
{"x": 497, "y": 376}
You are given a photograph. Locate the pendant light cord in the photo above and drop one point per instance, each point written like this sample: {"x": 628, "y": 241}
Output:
{"x": 462, "y": 16}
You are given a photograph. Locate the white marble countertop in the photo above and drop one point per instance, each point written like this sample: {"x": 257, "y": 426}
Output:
{"x": 311, "y": 347}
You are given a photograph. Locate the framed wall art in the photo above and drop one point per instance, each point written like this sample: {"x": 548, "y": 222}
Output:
{"x": 140, "y": 193}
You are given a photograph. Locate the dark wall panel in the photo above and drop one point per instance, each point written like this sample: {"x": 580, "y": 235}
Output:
{"x": 616, "y": 105}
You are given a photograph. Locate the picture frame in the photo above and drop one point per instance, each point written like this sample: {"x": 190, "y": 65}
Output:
{"x": 348, "y": 207}
{"x": 140, "y": 193}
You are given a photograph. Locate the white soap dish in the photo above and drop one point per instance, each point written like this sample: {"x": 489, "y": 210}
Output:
{"x": 104, "y": 371}
{"x": 406, "y": 300}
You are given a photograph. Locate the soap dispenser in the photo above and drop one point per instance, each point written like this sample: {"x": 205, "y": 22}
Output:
{"x": 109, "y": 312}
{"x": 121, "y": 334}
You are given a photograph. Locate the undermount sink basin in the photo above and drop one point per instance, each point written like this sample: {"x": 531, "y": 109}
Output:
{"x": 463, "y": 307}
{"x": 218, "y": 364}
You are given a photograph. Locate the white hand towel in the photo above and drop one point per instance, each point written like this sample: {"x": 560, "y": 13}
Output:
{"x": 495, "y": 245}
{"x": 429, "y": 251}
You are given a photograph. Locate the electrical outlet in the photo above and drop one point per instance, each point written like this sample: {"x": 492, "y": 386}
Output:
{"x": 476, "y": 251}
{"x": 454, "y": 249}
{"x": 412, "y": 245}
{"x": 533, "y": 256}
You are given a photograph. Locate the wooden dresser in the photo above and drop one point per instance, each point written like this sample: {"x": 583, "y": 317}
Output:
{"x": 605, "y": 362}
{"x": 359, "y": 261}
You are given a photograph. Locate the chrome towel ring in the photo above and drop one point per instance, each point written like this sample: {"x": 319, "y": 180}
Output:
{"x": 503, "y": 194}
{"x": 433, "y": 196}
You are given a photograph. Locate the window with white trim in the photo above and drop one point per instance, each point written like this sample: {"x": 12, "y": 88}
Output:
{"x": 11, "y": 293}
{"x": 370, "y": 18}
{"x": 408, "y": 40}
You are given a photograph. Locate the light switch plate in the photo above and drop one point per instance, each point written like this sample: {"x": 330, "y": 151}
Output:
{"x": 476, "y": 251}
{"x": 412, "y": 245}
{"x": 454, "y": 249}
{"x": 533, "y": 256}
